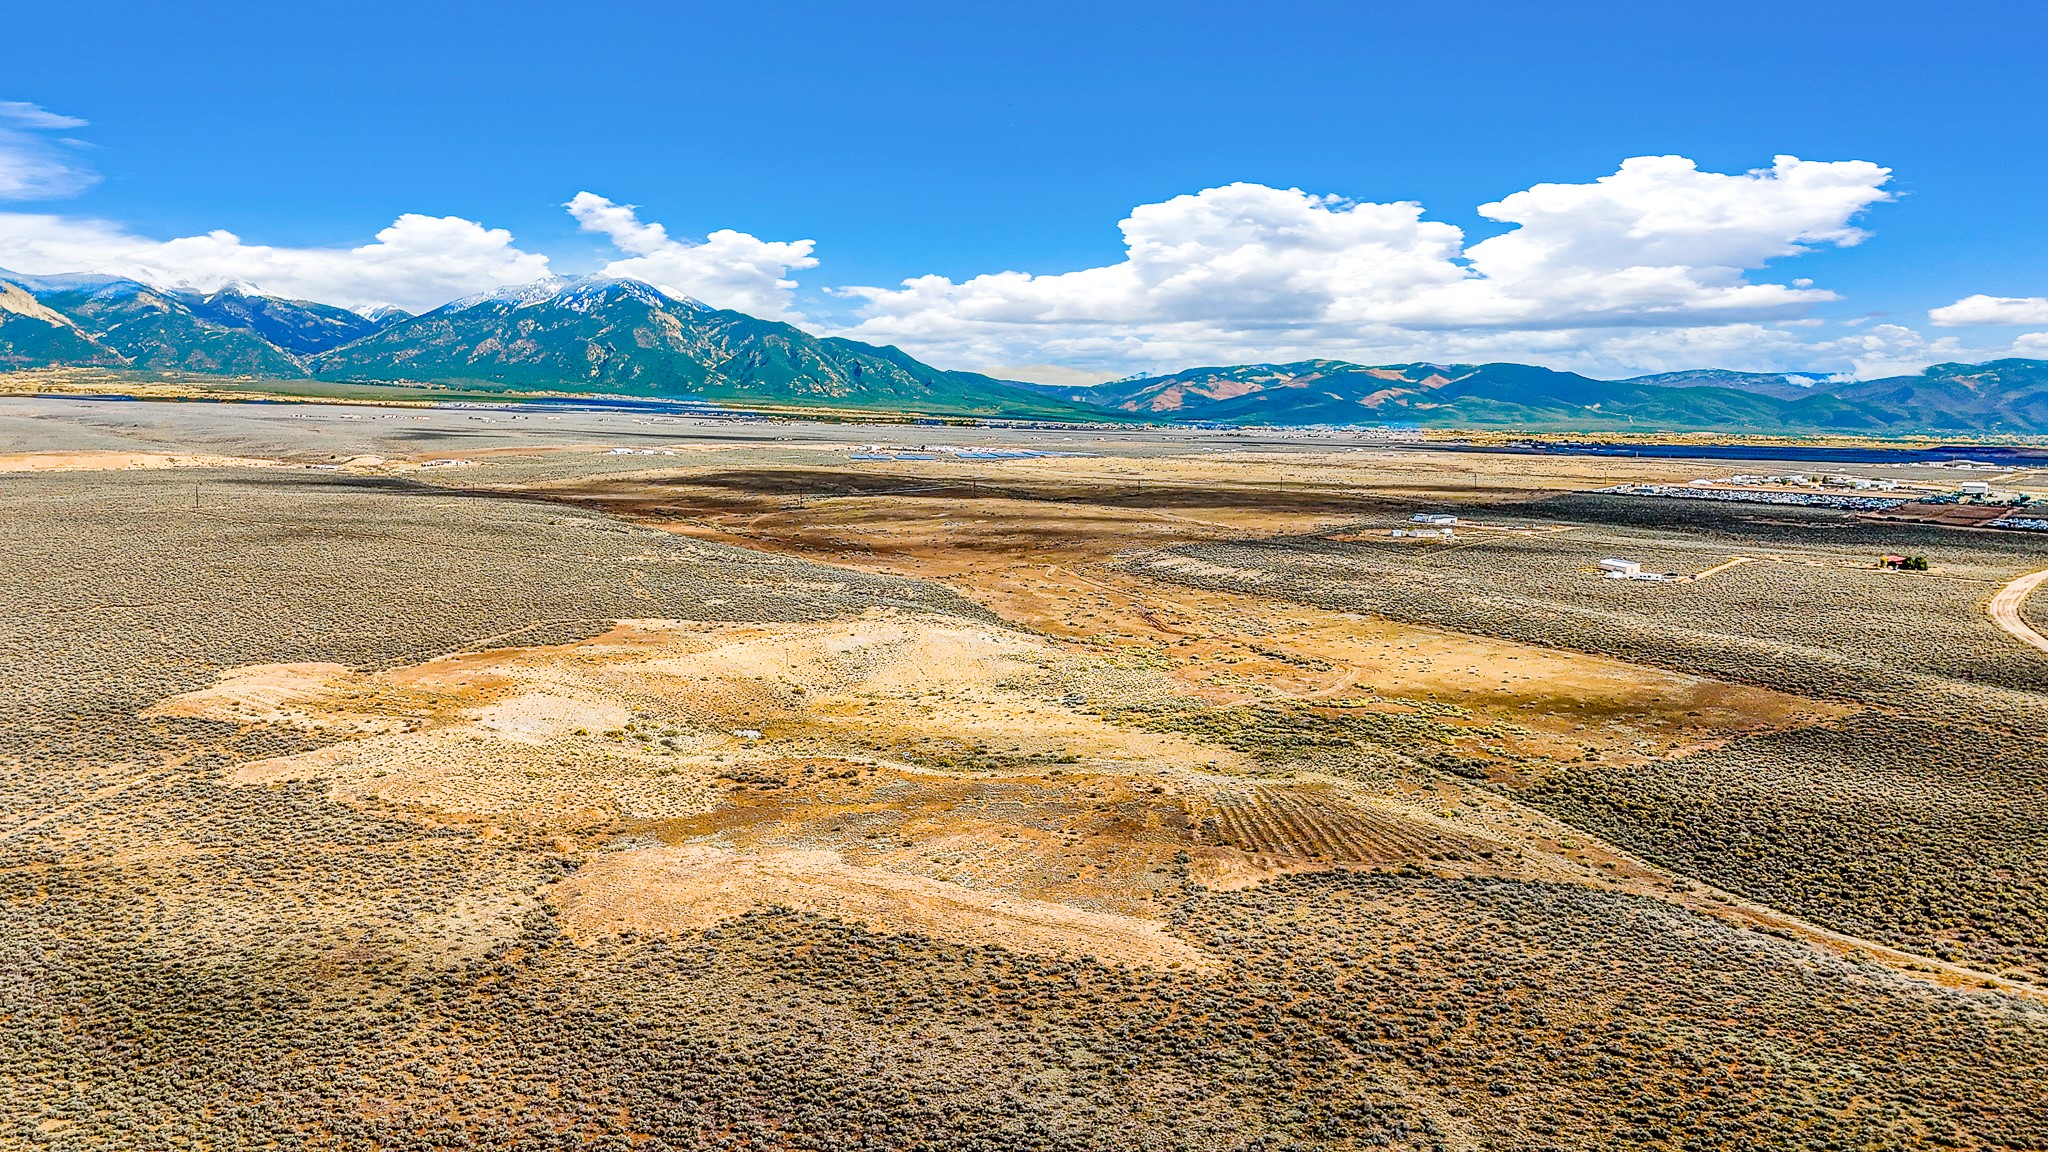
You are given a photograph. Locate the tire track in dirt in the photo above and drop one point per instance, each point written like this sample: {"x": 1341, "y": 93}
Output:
{"x": 2005, "y": 609}
{"x": 1267, "y": 820}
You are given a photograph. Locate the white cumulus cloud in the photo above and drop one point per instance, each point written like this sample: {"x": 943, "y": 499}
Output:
{"x": 1981, "y": 309}
{"x": 1892, "y": 350}
{"x": 1659, "y": 239}
{"x": 34, "y": 165}
{"x": 1248, "y": 271}
{"x": 727, "y": 269}
{"x": 419, "y": 262}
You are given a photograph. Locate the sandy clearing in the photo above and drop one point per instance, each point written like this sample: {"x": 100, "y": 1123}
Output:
{"x": 537, "y": 717}
{"x": 935, "y": 768}
{"x": 259, "y": 693}
{"x": 2005, "y": 609}
{"x": 109, "y": 461}
{"x": 692, "y": 887}
{"x": 640, "y": 723}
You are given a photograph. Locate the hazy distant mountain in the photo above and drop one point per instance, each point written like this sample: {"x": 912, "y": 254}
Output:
{"x": 1336, "y": 392}
{"x": 601, "y": 334}
{"x": 1999, "y": 396}
{"x": 2004, "y": 396}
{"x": 1782, "y": 385}
{"x": 300, "y": 327}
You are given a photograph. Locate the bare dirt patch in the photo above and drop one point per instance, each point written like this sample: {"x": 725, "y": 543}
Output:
{"x": 90, "y": 461}
{"x": 940, "y": 764}
{"x": 692, "y": 887}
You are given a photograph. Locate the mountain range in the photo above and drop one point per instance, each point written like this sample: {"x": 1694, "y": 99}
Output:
{"x": 592, "y": 334}
{"x": 2003, "y": 396}
{"x": 597, "y": 334}
{"x": 625, "y": 337}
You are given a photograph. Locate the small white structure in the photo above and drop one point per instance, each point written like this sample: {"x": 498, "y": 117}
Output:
{"x": 1434, "y": 519}
{"x": 747, "y": 733}
{"x": 1619, "y": 568}
{"x": 1974, "y": 488}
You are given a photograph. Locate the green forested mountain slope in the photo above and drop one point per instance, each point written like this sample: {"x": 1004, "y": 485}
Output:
{"x": 299, "y": 327}
{"x": 597, "y": 334}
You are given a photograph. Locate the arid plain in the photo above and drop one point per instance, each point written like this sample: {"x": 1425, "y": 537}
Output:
{"x": 551, "y": 778}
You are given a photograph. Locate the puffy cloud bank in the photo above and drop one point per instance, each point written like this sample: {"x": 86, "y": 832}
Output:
{"x": 418, "y": 262}
{"x": 1989, "y": 310}
{"x": 1640, "y": 259}
{"x": 727, "y": 270}
{"x": 1982, "y": 309}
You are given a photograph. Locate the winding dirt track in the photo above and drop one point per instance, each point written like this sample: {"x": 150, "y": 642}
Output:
{"x": 2005, "y": 609}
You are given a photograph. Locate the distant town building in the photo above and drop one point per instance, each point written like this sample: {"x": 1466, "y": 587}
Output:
{"x": 1614, "y": 566}
{"x": 1435, "y": 519}
{"x": 1974, "y": 488}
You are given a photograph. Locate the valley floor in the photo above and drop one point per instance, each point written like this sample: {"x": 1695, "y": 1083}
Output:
{"x": 408, "y": 777}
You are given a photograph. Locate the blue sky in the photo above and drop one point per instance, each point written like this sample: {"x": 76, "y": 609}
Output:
{"x": 959, "y": 140}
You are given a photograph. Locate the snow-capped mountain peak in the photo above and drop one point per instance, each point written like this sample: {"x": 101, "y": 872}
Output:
{"x": 225, "y": 288}
{"x": 585, "y": 292}
{"x": 517, "y": 295}
{"x": 580, "y": 293}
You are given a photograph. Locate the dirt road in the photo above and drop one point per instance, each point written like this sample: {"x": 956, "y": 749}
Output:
{"x": 2005, "y": 609}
